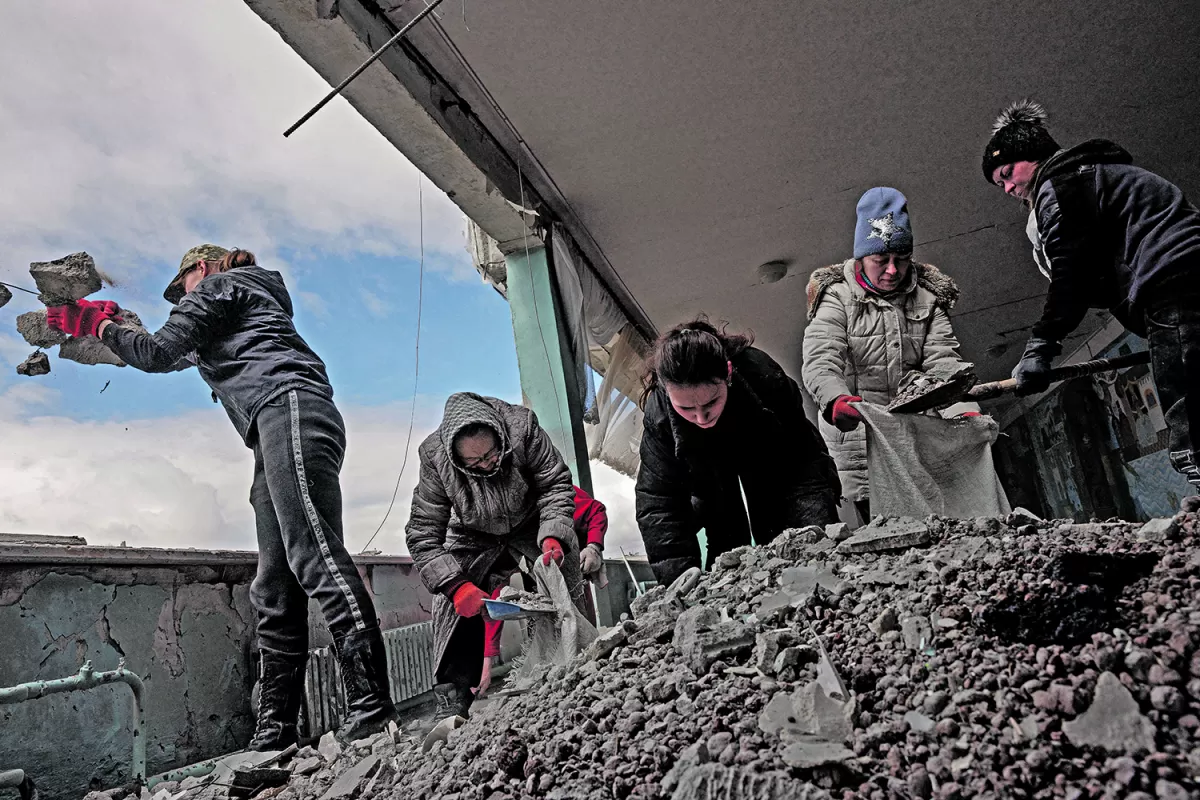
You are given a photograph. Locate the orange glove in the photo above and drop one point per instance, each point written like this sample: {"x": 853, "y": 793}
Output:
{"x": 468, "y": 600}
{"x": 844, "y": 416}
{"x": 553, "y": 551}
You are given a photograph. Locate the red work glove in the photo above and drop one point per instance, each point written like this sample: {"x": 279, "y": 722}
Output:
{"x": 83, "y": 318}
{"x": 966, "y": 414}
{"x": 845, "y": 417}
{"x": 468, "y": 600}
{"x": 553, "y": 551}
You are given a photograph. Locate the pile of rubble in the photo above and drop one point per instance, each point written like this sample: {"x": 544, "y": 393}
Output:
{"x": 993, "y": 658}
{"x": 62, "y": 282}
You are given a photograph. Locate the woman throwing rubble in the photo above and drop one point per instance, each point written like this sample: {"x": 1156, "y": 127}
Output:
{"x": 493, "y": 489}
{"x": 233, "y": 320}
{"x": 723, "y": 420}
{"x": 871, "y": 320}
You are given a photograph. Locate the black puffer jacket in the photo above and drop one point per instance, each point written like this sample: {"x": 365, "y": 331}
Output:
{"x": 689, "y": 477}
{"x": 462, "y": 521}
{"x": 1112, "y": 233}
{"x": 237, "y": 328}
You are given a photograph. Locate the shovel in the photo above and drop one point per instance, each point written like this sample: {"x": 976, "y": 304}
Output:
{"x": 502, "y": 610}
{"x": 935, "y": 396}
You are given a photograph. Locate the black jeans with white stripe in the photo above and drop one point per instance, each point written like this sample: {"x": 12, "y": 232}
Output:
{"x": 297, "y": 501}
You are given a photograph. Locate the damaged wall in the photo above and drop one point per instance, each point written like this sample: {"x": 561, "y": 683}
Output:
{"x": 185, "y": 626}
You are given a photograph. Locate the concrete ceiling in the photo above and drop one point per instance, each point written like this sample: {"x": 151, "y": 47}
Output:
{"x": 696, "y": 140}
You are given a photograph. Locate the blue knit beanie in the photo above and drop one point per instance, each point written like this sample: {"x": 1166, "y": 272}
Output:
{"x": 883, "y": 225}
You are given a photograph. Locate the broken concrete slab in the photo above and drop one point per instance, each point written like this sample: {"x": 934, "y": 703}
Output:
{"x": 38, "y": 363}
{"x": 1113, "y": 722}
{"x": 838, "y": 531}
{"x": 33, "y": 329}
{"x": 768, "y": 645}
{"x": 888, "y": 533}
{"x": 441, "y": 732}
{"x": 350, "y": 783}
{"x": 917, "y": 632}
{"x": 701, "y": 643}
{"x": 329, "y": 747}
{"x": 813, "y": 753}
{"x": 5, "y": 295}
{"x": 67, "y": 279}
{"x": 306, "y": 766}
{"x": 801, "y": 581}
{"x": 1159, "y": 530}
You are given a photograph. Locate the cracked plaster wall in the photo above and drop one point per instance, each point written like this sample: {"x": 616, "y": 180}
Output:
{"x": 186, "y": 630}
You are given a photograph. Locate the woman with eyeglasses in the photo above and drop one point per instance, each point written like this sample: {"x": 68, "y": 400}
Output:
{"x": 723, "y": 421}
{"x": 871, "y": 320}
{"x": 492, "y": 488}
{"x": 232, "y": 320}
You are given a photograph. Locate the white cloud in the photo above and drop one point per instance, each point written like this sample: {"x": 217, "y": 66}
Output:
{"x": 314, "y": 303}
{"x": 374, "y": 304}
{"x": 137, "y": 129}
{"x": 185, "y": 481}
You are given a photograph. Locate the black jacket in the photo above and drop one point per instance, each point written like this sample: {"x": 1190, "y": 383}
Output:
{"x": 237, "y": 328}
{"x": 1111, "y": 232}
{"x": 689, "y": 477}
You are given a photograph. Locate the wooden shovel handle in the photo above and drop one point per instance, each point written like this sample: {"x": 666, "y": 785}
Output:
{"x": 986, "y": 391}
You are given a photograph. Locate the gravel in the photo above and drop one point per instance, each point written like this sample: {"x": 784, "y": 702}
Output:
{"x": 725, "y": 696}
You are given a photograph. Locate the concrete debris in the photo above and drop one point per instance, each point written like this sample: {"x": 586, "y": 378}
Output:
{"x": 1159, "y": 530}
{"x": 723, "y": 699}
{"x": 838, "y": 531}
{"x": 350, "y": 783}
{"x": 1114, "y": 721}
{"x": 34, "y": 330}
{"x": 5, "y": 296}
{"x": 248, "y": 782}
{"x": 38, "y": 363}
{"x": 65, "y": 280}
{"x": 329, "y": 747}
{"x": 887, "y": 533}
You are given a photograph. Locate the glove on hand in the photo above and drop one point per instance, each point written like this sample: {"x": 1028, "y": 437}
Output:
{"x": 553, "y": 551}
{"x": 1032, "y": 373}
{"x": 845, "y": 417}
{"x": 966, "y": 414}
{"x": 590, "y": 559}
{"x": 468, "y": 600}
{"x": 83, "y": 318}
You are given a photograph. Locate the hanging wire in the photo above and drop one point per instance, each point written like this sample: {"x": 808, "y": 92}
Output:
{"x": 412, "y": 415}
{"x": 14, "y": 286}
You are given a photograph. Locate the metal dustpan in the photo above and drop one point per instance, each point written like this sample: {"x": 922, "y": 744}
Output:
{"x": 501, "y": 610}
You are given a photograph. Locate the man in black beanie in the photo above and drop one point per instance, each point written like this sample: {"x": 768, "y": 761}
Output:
{"x": 1114, "y": 236}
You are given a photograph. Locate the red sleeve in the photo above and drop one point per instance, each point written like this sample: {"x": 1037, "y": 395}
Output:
{"x": 491, "y": 632}
{"x": 591, "y": 518}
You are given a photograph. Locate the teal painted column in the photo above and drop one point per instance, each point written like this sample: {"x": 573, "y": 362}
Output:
{"x": 548, "y": 369}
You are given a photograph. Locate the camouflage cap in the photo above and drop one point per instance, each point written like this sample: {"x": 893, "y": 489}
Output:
{"x": 201, "y": 252}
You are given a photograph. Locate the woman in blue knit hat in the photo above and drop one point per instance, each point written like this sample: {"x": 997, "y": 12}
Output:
{"x": 871, "y": 320}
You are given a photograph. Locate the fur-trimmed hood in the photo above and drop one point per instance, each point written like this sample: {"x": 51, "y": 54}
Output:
{"x": 929, "y": 277}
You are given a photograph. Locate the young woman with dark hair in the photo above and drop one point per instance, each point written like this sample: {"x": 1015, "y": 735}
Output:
{"x": 723, "y": 420}
{"x": 233, "y": 320}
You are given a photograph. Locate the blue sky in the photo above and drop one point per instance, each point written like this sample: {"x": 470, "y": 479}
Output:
{"x": 140, "y": 129}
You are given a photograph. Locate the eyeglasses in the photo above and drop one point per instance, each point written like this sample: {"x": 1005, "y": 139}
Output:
{"x": 472, "y": 463}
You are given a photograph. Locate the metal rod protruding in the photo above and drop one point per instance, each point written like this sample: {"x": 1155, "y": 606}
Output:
{"x": 374, "y": 57}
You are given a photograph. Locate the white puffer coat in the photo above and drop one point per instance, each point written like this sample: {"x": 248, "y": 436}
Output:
{"x": 859, "y": 343}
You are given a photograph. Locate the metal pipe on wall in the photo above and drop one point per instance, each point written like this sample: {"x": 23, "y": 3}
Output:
{"x": 87, "y": 679}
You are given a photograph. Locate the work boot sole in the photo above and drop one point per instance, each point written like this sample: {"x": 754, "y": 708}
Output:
{"x": 369, "y": 725}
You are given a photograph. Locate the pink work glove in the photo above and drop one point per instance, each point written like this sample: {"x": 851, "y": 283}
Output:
{"x": 844, "y": 416}
{"x": 83, "y": 318}
{"x": 966, "y": 414}
{"x": 553, "y": 551}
